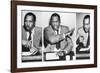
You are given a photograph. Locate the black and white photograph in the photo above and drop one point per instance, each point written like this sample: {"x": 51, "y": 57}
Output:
{"x": 83, "y": 36}
{"x": 51, "y": 37}
{"x": 31, "y": 38}
{"x": 55, "y": 36}
{"x": 58, "y": 34}
{"x": 64, "y": 36}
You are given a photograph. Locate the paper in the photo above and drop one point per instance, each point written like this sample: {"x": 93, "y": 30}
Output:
{"x": 26, "y": 53}
{"x": 84, "y": 49}
{"x": 51, "y": 56}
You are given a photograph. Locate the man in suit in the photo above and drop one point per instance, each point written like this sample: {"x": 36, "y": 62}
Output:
{"x": 31, "y": 35}
{"x": 83, "y": 34}
{"x": 57, "y": 37}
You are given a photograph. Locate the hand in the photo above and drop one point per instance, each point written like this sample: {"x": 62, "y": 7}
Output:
{"x": 27, "y": 44}
{"x": 60, "y": 53}
{"x": 40, "y": 50}
{"x": 70, "y": 32}
{"x": 81, "y": 39}
{"x": 33, "y": 50}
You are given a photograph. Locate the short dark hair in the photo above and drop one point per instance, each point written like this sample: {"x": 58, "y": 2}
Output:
{"x": 85, "y": 17}
{"x": 54, "y": 14}
{"x": 29, "y": 14}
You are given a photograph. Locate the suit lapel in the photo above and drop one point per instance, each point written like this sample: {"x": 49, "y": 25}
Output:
{"x": 34, "y": 38}
{"x": 24, "y": 34}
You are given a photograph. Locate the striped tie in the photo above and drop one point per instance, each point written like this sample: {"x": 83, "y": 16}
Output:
{"x": 58, "y": 43}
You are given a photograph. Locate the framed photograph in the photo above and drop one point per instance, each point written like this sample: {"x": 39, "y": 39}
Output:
{"x": 52, "y": 36}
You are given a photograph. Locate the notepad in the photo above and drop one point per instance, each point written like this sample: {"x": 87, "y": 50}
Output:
{"x": 26, "y": 53}
{"x": 51, "y": 56}
{"x": 84, "y": 49}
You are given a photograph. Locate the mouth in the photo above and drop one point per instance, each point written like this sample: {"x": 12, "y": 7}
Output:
{"x": 27, "y": 27}
{"x": 55, "y": 28}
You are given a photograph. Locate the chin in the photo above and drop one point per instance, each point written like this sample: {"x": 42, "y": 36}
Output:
{"x": 56, "y": 29}
{"x": 28, "y": 29}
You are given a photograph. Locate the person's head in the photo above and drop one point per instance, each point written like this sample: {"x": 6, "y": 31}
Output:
{"x": 55, "y": 21}
{"x": 29, "y": 21}
{"x": 86, "y": 23}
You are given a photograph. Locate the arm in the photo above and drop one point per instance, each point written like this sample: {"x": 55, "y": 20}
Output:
{"x": 69, "y": 45}
{"x": 80, "y": 40}
{"x": 68, "y": 41}
{"x": 26, "y": 43}
{"x": 37, "y": 41}
{"x": 51, "y": 37}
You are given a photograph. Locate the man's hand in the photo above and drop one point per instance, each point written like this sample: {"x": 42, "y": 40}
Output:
{"x": 27, "y": 44}
{"x": 81, "y": 39}
{"x": 70, "y": 33}
{"x": 60, "y": 53}
{"x": 33, "y": 50}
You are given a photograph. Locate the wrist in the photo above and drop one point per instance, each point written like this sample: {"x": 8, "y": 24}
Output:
{"x": 24, "y": 42}
{"x": 63, "y": 35}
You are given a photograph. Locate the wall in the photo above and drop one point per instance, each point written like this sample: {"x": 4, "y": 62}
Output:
{"x": 41, "y": 21}
{"x": 5, "y": 36}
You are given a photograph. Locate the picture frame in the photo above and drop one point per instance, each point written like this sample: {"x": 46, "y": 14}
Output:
{"x": 18, "y": 10}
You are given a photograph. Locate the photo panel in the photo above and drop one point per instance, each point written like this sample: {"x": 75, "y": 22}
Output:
{"x": 83, "y": 36}
{"x": 31, "y": 36}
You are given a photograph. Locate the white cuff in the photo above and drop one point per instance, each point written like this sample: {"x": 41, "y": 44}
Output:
{"x": 66, "y": 51}
{"x": 63, "y": 35}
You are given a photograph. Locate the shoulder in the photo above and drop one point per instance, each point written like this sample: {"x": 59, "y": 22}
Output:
{"x": 80, "y": 29}
{"x": 64, "y": 27}
{"x": 38, "y": 28}
{"x": 23, "y": 29}
{"x": 48, "y": 28}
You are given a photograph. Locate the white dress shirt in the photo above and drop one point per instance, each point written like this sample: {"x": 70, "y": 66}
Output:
{"x": 31, "y": 36}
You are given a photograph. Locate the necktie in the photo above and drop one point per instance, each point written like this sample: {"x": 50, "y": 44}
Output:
{"x": 58, "y": 43}
{"x": 29, "y": 35}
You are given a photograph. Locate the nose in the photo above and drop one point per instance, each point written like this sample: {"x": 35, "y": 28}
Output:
{"x": 55, "y": 23}
{"x": 28, "y": 23}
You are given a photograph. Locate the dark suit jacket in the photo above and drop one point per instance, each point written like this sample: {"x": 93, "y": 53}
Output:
{"x": 49, "y": 35}
{"x": 37, "y": 36}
